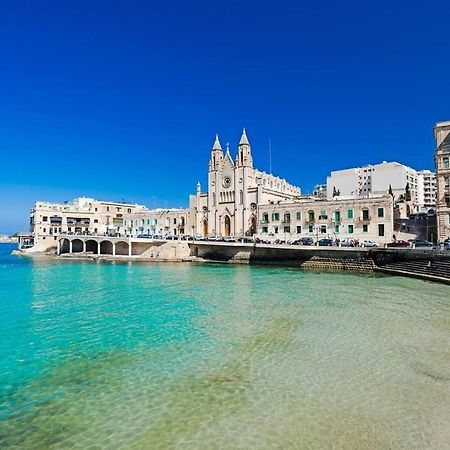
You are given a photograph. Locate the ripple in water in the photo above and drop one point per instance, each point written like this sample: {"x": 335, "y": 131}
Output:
{"x": 229, "y": 357}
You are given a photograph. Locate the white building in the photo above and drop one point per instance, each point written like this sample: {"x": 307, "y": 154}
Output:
{"x": 374, "y": 180}
{"x": 426, "y": 189}
{"x": 80, "y": 216}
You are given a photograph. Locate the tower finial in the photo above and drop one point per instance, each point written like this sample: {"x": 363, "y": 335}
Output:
{"x": 244, "y": 140}
{"x": 216, "y": 145}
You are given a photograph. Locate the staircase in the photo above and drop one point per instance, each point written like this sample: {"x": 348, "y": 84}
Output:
{"x": 433, "y": 270}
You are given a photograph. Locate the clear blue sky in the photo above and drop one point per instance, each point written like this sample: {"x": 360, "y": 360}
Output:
{"x": 123, "y": 99}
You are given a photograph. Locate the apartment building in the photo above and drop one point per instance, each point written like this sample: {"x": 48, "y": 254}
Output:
{"x": 80, "y": 216}
{"x": 374, "y": 180}
{"x": 353, "y": 218}
{"x": 426, "y": 190}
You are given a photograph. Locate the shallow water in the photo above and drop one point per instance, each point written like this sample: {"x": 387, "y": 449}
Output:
{"x": 219, "y": 356}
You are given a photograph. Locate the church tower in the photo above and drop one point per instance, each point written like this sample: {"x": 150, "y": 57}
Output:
{"x": 215, "y": 169}
{"x": 243, "y": 181}
{"x": 244, "y": 155}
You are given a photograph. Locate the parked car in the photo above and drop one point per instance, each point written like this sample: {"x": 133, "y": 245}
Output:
{"x": 447, "y": 244}
{"x": 199, "y": 238}
{"x": 304, "y": 241}
{"x": 348, "y": 243}
{"x": 421, "y": 243}
{"x": 399, "y": 243}
{"x": 246, "y": 240}
{"x": 325, "y": 242}
{"x": 369, "y": 243}
{"x": 230, "y": 239}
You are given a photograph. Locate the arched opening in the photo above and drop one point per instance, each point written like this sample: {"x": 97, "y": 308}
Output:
{"x": 121, "y": 248}
{"x": 92, "y": 246}
{"x": 77, "y": 246}
{"x": 205, "y": 227}
{"x": 227, "y": 226}
{"x": 106, "y": 248}
{"x": 65, "y": 246}
{"x": 196, "y": 251}
{"x": 252, "y": 226}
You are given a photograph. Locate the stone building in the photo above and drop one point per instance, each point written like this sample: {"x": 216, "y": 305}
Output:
{"x": 355, "y": 218}
{"x": 81, "y": 216}
{"x": 442, "y": 161}
{"x": 235, "y": 190}
{"x": 157, "y": 222}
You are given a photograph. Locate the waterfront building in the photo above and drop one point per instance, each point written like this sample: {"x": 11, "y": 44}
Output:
{"x": 374, "y": 180}
{"x": 81, "y": 216}
{"x": 235, "y": 190}
{"x": 159, "y": 222}
{"x": 442, "y": 161}
{"x": 353, "y": 218}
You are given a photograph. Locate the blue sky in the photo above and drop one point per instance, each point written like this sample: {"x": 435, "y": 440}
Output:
{"x": 122, "y": 100}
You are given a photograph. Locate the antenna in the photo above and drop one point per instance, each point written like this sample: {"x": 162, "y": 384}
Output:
{"x": 270, "y": 155}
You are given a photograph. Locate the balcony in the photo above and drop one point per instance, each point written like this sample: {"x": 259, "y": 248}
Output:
{"x": 264, "y": 221}
{"x": 285, "y": 220}
{"x": 310, "y": 221}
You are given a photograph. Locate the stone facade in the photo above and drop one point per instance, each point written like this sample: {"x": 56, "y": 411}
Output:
{"x": 81, "y": 216}
{"x": 159, "y": 222}
{"x": 235, "y": 190}
{"x": 442, "y": 161}
{"x": 363, "y": 218}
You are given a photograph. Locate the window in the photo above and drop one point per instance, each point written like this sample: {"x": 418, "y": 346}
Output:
{"x": 350, "y": 229}
{"x": 365, "y": 228}
{"x": 43, "y": 230}
{"x": 380, "y": 212}
{"x": 264, "y": 229}
{"x": 299, "y": 229}
{"x": 365, "y": 214}
{"x": 44, "y": 218}
{"x": 241, "y": 197}
{"x": 337, "y": 216}
{"x": 287, "y": 217}
{"x": 336, "y": 228}
{"x": 287, "y": 229}
{"x": 265, "y": 218}
{"x": 350, "y": 214}
{"x": 96, "y": 210}
{"x": 95, "y": 220}
{"x": 323, "y": 229}
{"x": 445, "y": 162}
{"x": 380, "y": 229}
{"x": 107, "y": 208}
{"x": 275, "y": 230}
{"x": 299, "y": 216}
{"x": 175, "y": 221}
{"x": 148, "y": 221}
{"x": 275, "y": 216}
{"x": 310, "y": 216}
{"x": 323, "y": 215}
{"x": 446, "y": 181}
{"x": 310, "y": 229}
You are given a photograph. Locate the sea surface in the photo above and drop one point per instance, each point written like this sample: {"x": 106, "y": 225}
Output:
{"x": 192, "y": 356}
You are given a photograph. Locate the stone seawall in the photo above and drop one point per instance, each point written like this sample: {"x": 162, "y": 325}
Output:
{"x": 308, "y": 257}
{"x": 419, "y": 263}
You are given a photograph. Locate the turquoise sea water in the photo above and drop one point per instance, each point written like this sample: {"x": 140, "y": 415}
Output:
{"x": 117, "y": 355}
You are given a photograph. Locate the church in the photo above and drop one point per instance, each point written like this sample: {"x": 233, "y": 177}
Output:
{"x": 235, "y": 192}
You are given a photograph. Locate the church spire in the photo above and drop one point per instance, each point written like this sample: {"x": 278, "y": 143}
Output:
{"x": 216, "y": 155}
{"x": 216, "y": 145}
{"x": 244, "y": 155}
{"x": 244, "y": 140}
